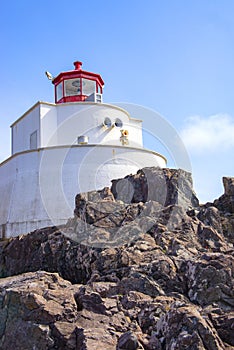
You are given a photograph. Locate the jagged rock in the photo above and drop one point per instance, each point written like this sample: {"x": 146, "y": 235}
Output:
{"x": 226, "y": 202}
{"x": 210, "y": 280}
{"x": 224, "y": 325}
{"x": 228, "y": 183}
{"x": 166, "y": 186}
{"x": 90, "y": 301}
{"x": 30, "y": 304}
{"x": 128, "y": 341}
{"x": 183, "y": 327}
{"x": 210, "y": 238}
{"x": 211, "y": 217}
{"x": 46, "y": 249}
{"x": 139, "y": 266}
{"x": 43, "y": 312}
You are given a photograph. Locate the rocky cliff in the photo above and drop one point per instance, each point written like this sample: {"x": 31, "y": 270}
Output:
{"x": 141, "y": 265}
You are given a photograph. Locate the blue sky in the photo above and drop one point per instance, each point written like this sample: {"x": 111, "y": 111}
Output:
{"x": 175, "y": 57}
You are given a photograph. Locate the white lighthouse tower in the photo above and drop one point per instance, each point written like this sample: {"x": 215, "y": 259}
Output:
{"x": 76, "y": 144}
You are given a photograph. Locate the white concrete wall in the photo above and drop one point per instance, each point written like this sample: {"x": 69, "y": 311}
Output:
{"x": 76, "y": 119}
{"x": 23, "y": 128}
{"x": 38, "y": 188}
{"x": 48, "y": 124}
{"x": 62, "y": 124}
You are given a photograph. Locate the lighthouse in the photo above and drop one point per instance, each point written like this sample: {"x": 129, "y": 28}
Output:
{"x": 76, "y": 144}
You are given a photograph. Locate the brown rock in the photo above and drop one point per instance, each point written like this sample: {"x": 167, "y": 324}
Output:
{"x": 226, "y": 202}
{"x": 32, "y": 306}
{"x": 128, "y": 341}
{"x": 228, "y": 183}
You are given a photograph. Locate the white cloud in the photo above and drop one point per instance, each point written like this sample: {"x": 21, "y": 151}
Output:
{"x": 212, "y": 134}
{"x": 210, "y": 144}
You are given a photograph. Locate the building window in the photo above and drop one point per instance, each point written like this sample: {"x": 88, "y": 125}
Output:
{"x": 33, "y": 140}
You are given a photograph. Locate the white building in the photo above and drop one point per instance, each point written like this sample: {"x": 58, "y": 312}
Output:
{"x": 59, "y": 149}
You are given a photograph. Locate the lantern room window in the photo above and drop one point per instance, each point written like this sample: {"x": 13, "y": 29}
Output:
{"x": 59, "y": 91}
{"x": 88, "y": 87}
{"x": 72, "y": 87}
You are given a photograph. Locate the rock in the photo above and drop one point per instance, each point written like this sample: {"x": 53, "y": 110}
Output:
{"x": 30, "y": 304}
{"x": 45, "y": 311}
{"x": 226, "y": 202}
{"x": 46, "y": 249}
{"x": 93, "y": 196}
{"x": 224, "y": 325}
{"x": 228, "y": 228}
{"x": 137, "y": 281}
{"x": 210, "y": 238}
{"x": 165, "y": 186}
{"x": 183, "y": 327}
{"x": 128, "y": 341}
{"x": 139, "y": 266}
{"x": 211, "y": 217}
{"x": 90, "y": 301}
{"x": 93, "y": 339}
{"x": 228, "y": 183}
{"x": 152, "y": 343}
{"x": 210, "y": 280}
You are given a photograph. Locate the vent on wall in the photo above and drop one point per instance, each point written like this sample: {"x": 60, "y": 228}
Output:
{"x": 83, "y": 140}
{"x": 118, "y": 123}
{"x": 107, "y": 122}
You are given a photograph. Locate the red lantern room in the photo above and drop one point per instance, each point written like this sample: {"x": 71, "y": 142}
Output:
{"x": 78, "y": 85}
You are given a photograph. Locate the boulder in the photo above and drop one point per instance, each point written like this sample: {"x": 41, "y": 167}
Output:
{"x": 165, "y": 186}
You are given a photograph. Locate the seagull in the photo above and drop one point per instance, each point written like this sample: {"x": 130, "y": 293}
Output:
{"x": 49, "y": 75}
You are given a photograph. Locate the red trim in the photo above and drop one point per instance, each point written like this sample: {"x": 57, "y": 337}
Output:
{"x": 79, "y": 98}
{"x": 63, "y": 86}
{"x": 78, "y": 74}
{"x": 77, "y": 65}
